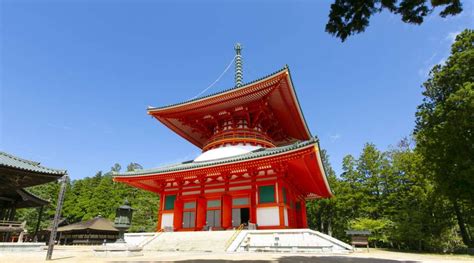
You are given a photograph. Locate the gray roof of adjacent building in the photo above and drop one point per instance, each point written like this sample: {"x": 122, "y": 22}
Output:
{"x": 11, "y": 161}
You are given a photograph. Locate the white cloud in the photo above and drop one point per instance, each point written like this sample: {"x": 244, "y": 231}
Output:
{"x": 429, "y": 63}
{"x": 451, "y": 37}
{"x": 334, "y": 137}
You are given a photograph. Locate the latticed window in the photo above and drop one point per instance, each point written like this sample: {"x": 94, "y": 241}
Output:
{"x": 266, "y": 194}
{"x": 227, "y": 125}
{"x": 169, "y": 202}
{"x": 242, "y": 124}
{"x": 213, "y": 203}
{"x": 189, "y": 219}
{"x": 190, "y": 205}
{"x": 240, "y": 201}
{"x": 258, "y": 127}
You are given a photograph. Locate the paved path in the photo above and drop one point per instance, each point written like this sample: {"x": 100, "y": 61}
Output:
{"x": 84, "y": 254}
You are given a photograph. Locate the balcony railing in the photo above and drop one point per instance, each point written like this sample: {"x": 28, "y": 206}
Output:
{"x": 239, "y": 135}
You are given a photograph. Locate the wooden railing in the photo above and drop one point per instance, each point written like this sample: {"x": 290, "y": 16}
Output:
{"x": 239, "y": 135}
{"x": 234, "y": 236}
{"x": 13, "y": 225}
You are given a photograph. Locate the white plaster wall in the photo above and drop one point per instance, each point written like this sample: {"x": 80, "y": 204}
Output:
{"x": 285, "y": 216}
{"x": 226, "y": 151}
{"x": 166, "y": 220}
{"x": 268, "y": 216}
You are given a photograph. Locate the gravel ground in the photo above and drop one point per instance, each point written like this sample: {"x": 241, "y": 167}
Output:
{"x": 84, "y": 254}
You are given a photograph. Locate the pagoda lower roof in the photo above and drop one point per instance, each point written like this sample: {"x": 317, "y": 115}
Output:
{"x": 302, "y": 160}
{"x": 189, "y": 165}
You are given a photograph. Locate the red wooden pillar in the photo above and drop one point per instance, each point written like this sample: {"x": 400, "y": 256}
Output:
{"x": 294, "y": 214}
{"x": 160, "y": 211}
{"x": 253, "y": 197}
{"x": 201, "y": 213}
{"x": 281, "y": 204}
{"x": 226, "y": 204}
{"x": 304, "y": 219}
{"x": 226, "y": 211}
{"x": 178, "y": 214}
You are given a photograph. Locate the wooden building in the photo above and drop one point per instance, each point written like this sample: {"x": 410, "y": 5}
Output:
{"x": 91, "y": 232}
{"x": 16, "y": 174}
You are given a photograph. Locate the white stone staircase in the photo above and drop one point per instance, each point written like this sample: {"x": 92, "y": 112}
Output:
{"x": 208, "y": 241}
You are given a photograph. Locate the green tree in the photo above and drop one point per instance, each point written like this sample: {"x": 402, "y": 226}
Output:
{"x": 321, "y": 212}
{"x": 133, "y": 167}
{"x": 420, "y": 216}
{"x": 445, "y": 127}
{"x": 390, "y": 193}
{"x": 348, "y": 17}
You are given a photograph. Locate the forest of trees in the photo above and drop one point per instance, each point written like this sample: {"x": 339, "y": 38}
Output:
{"x": 417, "y": 195}
{"x": 389, "y": 193}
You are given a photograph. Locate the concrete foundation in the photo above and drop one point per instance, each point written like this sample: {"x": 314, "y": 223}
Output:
{"x": 19, "y": 247}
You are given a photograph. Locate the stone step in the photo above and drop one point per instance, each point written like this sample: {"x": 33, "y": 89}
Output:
{"x": 284, "y": 240}
{"x": 288, "y": 240}
{"x": 190, "y": 241}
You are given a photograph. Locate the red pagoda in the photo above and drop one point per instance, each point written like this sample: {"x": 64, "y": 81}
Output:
{"x": 259, "y": 162}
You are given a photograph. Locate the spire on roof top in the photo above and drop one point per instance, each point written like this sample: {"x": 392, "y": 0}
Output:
{"x": 238, "y": 65}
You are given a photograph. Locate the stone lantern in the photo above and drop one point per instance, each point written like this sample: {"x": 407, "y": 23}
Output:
{"x": 123, "y": 220}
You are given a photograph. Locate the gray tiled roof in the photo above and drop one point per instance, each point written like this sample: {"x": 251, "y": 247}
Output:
{"x": 8, "y": 160}
{"x": 262, "y": 152}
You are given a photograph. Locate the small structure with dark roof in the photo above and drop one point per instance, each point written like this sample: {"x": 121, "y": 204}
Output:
{"x": 92, "y": 232}
{"x": 359, "y": 238}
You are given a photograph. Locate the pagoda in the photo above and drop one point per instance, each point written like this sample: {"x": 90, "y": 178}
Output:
{"x": 259, "y": 162}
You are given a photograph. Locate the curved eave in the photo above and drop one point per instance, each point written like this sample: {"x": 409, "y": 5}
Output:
{"x": 314, "y": 175}
{"x": 295, "y": 98}
{"x": 323, "y": 170}
{"x": 17, "y": 163}
{"x": 162, "y": 113}
{"x": 216, "y": 94}
{"x": 56, "y": 173}
{"x": 30, "y": 200}
{"x": 216, "y": 164}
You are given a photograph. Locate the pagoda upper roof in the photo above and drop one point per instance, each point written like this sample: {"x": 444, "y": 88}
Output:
{"x": 274, "y": 91}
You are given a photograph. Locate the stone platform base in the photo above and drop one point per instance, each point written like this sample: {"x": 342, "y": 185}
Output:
{"x": 118, "y": 251}
{"x": 18, "y": 247}
{"x": 275, "y": 240}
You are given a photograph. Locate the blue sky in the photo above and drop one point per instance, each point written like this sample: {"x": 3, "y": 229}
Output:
{"x": 77, "y": 76}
